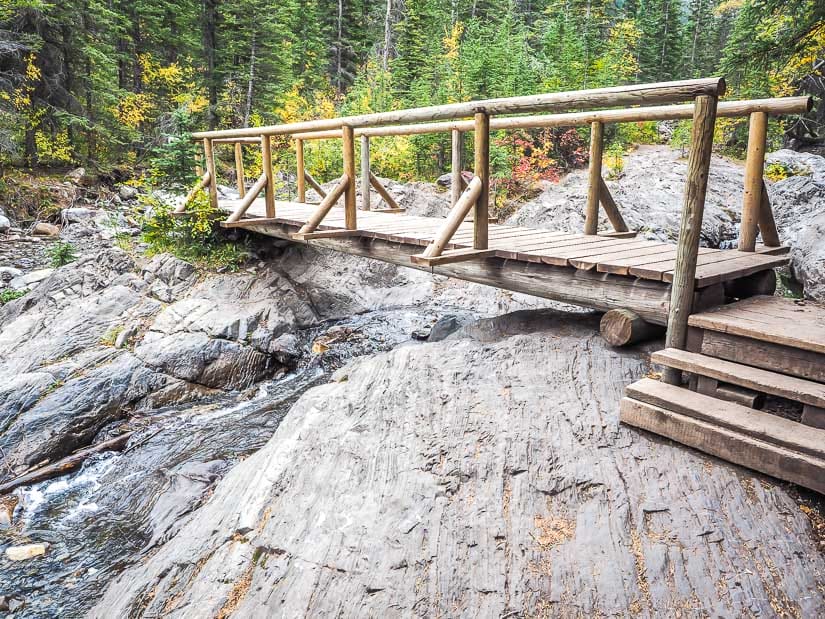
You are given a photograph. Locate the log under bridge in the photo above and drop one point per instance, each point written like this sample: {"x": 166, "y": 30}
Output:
{"x": 644, "y": 286}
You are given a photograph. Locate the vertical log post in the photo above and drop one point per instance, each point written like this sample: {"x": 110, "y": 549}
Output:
{"x": 239, "y": 174}
{"x": 481, "y": 216}
{"x": 365, "y": 172}
{"x": 210, "y": 168}
{"x": 266, "y": 162}
{"x": 300, "y": 173}
{"x": 684, "y": 275}
{"x": 591, "y": 216}
{"x": 350, "y": 216}
{"x": 457, "y": 157}
{"x": 754, "y": 164}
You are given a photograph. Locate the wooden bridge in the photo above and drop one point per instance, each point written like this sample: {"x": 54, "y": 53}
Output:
{"x": 639, "y": 283}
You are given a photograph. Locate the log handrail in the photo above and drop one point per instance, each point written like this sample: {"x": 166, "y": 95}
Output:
{"x": 326, "y": 205}
{"x": 454, "y": 219}
{"x": 728, "y": 109}
{"x": 638, "y": 94}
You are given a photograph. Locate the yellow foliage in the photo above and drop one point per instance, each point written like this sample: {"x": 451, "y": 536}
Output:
{"x": 133, "y": 109}
{"x": 783, "y": 81}
{"x": 55, "y": 149}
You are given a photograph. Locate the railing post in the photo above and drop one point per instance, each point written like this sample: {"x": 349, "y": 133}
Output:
{"x": 481, "y": 217}
{"x": 455, "y": 170}
{"x": 210, "y": 168}
{"x": 239, "y": 173}
{"x": 684, "y": 275}
{"x": 300, "y": 171}
{"x": 350, "y": 216}
{"x": 365, "y": 172}
{"x": 266, "y": 162}
{"x": 754, "y": 164}
{"x": 591, "y": 218}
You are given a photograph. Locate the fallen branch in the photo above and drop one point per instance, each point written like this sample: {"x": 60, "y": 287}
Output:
{"x": 66, "y": 465}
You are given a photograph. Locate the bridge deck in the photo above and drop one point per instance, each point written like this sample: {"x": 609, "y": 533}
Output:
{"x": 650, "y": 260}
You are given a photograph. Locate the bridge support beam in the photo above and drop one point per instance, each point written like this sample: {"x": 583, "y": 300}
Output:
{"x": 696, "y": 184}
{"x": 269, "y": 189}
{"x": 754, "y": 164}
{"x": 350, "y": 210}
{"x": 210, "y": 171}
{"x": 481, "y": 215}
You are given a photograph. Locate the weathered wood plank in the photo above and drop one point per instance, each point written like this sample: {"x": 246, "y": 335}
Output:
{"x": 450, "y": 257}
{"x": 727, "y": 444}
{"x": 765, "y": 381}
{"x": 756, "y": 424}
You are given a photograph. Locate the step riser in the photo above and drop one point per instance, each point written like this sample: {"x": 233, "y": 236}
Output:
{"x": 766, "y": 355}
{"x": 732, "y": 446}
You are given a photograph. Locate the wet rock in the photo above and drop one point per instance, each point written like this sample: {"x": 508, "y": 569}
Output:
{"x": 127, "y": 192}
{"x": 9, "y": 273}
{"x": 23, "y": 553}
{"x": 506, "y": 486}
{"x": 29, "y": 280}
{"x": 41, "y": 228}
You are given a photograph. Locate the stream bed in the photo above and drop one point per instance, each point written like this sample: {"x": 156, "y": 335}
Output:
{"x": 120, "y": 505}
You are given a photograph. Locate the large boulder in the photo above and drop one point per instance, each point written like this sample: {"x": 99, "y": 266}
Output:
{"x": 799, "y": 208}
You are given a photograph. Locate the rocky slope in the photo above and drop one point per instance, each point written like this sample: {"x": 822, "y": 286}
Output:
{"x": 486, "y": 474}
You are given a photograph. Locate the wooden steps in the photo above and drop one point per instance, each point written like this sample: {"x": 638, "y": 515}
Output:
{"x": 739, "y": 354}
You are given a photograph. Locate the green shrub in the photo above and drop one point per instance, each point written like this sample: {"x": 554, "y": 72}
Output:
{"x": 8, "y": 294}
{"x": 61, "y": 253}
{"x": 614, "y": 161}
{"x": 194, "y": 237}
{"x": 779, "y": 171}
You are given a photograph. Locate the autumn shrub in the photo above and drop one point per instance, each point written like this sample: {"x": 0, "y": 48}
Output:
{"x": 194, "y": 237}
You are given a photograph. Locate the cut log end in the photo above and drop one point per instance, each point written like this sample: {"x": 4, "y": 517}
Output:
{"x": 621, "y": 327}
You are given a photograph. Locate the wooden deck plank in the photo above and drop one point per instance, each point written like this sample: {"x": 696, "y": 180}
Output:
{"x": 764, "y": 381}
{"x": 623, "y": 266}
{"x": 652, "y": 270}
{"x": 561, "y": 256}
{"x": 643, "y": 248}
{"x": 757, "y": 424}
{"x": 804, "y": 329}
{"x": 740, "y": 266}
{"x": 729, "y": 445}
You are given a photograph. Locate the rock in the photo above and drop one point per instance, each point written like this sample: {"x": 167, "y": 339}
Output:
{"x": 78, "y": 214}
{"x": 443, "y": 327}
{"x": 77, "y": 174}
{"x": 5, "y": 224}
{"x": 488, "y": 474}
{"x": 127, "y": 192}
{"x": 22, "y": 553}
{"x": 445, "y": 180}
{"x": 9, "y": 273}
{"x": 15, "y": 604}
{"x": 799, "y": 209}
{"x": 41, "y": 228}
{"x": 7, "y": 505}
{"x": 29, "y": 280}
{"x": 123, "y": 338}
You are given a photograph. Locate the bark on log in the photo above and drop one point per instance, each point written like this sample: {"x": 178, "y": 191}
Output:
{"x": 621, "y": 327}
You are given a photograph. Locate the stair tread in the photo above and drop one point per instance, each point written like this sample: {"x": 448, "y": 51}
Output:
{"x": 757, "y": 424}
{"x": 765, "y": 381}
{"x": 769, "y": 319}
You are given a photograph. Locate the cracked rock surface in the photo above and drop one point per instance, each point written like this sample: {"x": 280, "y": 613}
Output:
{"x": 505, "y": 487}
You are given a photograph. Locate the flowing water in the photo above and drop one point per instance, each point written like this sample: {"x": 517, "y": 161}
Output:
{"x": 120, "y": 504}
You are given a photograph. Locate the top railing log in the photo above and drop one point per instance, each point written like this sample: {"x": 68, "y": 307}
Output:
{"x": 728, "y": 109}
{"x": 684, "y": 275}
{"x": 300, "y": 176}
{"x": 640, "y": 94}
